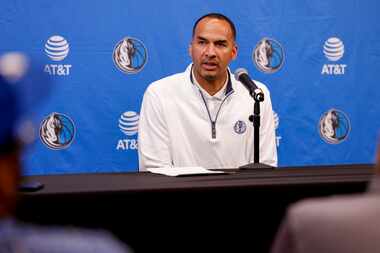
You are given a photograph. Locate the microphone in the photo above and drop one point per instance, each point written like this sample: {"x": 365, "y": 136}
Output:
{"x": 241, "y": 75}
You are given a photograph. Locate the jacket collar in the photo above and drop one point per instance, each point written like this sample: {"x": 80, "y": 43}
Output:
{"x": 229, "y": 88}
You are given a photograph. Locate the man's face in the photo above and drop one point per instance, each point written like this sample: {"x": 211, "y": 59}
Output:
{"x": 9, "y": 180}
{"x": 211, "y": 49}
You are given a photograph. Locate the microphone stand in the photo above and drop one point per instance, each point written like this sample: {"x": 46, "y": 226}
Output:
{"x": 255, "y": 119}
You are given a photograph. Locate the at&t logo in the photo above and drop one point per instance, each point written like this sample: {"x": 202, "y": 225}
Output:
{"x": 57, "y": 48}
{"x": 333, "y": 49}
{"x": 128, "y": 124}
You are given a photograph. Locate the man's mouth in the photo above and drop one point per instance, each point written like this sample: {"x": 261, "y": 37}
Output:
{"x": 209, "y": 65}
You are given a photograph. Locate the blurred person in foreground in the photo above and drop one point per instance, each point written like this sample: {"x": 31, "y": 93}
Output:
{"x": 348, "y": 224}
{"x": 22, "y": 85}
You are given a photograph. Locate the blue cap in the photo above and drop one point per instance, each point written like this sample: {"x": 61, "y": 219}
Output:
{"x": 23, "y": 85}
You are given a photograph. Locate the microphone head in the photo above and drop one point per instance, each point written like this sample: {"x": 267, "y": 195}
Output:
{"x": 239, "y": 72}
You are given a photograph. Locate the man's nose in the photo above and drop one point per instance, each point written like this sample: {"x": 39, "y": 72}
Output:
{"x": 210, "y": 50}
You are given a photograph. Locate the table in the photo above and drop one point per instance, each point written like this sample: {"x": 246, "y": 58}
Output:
{"x": 238, "y": 211}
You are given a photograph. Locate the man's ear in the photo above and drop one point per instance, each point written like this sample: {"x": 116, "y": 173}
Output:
{"x": 234, "y": 52}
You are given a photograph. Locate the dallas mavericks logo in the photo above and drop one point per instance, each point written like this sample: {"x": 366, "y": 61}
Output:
{"x": 240, "y": 127}
{"x": 128, "y": 123}
{"x": 268, "y": 55}
{"x": 333, "y": 49}
{"x": 130, "y": 55}
{"x": 57, "y": 48}
{"x": 57, "y": 131}
{"x": 334, "y": 126}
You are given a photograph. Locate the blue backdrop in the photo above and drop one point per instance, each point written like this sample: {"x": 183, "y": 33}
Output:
{"x": 321, "y": 73}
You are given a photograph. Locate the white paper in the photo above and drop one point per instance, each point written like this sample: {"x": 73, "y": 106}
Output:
{"x": 182, "y": 171}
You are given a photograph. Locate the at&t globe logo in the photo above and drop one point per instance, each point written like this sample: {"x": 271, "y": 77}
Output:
{"x": 334, "y": 126}
{"x": 130, "y": 55}
{"x": 57, "y": 131}
{"x": 268, "y": 55}
{"x": 57, "y": 48}
{"x": 128, "y": 124}
{"x": 333, "y": 49}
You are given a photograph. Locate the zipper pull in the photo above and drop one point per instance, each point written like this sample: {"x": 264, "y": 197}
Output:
{"x": 213, "y": 130}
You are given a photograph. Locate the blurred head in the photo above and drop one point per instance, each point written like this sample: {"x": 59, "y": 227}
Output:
{"x": 22, "y": 85}
{"x": 212, "y": 47}
{"x": 9, "y": 158}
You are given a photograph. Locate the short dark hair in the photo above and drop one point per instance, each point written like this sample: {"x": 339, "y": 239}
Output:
{"x": 216, "y": 16}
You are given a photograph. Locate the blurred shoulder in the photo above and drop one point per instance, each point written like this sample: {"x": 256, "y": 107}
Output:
{"x": 167, "y": 84}
{"x": 62, "y": 240}
{"x": 335, "y": 209}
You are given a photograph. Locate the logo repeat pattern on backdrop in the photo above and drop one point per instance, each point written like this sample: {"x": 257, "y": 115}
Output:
{"x": 130, "y": 55}
{"x": 57, "y": 48}
{"x": 318, "y": 78}
{"x": 268, "y": 55}
{"x": 128, "y": 124}
{"x": 57, "y": 131}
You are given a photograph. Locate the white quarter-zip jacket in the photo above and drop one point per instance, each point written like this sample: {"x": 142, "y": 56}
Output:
{"x": 180, "y": 125}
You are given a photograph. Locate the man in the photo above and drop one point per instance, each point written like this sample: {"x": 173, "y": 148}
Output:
{"x": 15, "y": 236}
{"x": 348, "y": 224}
{"x": 200, "y": 117}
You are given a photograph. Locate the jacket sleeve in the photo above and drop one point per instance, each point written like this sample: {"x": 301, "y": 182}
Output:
{"x": 268, "y": 148}
{"x": 153, "y": 138}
